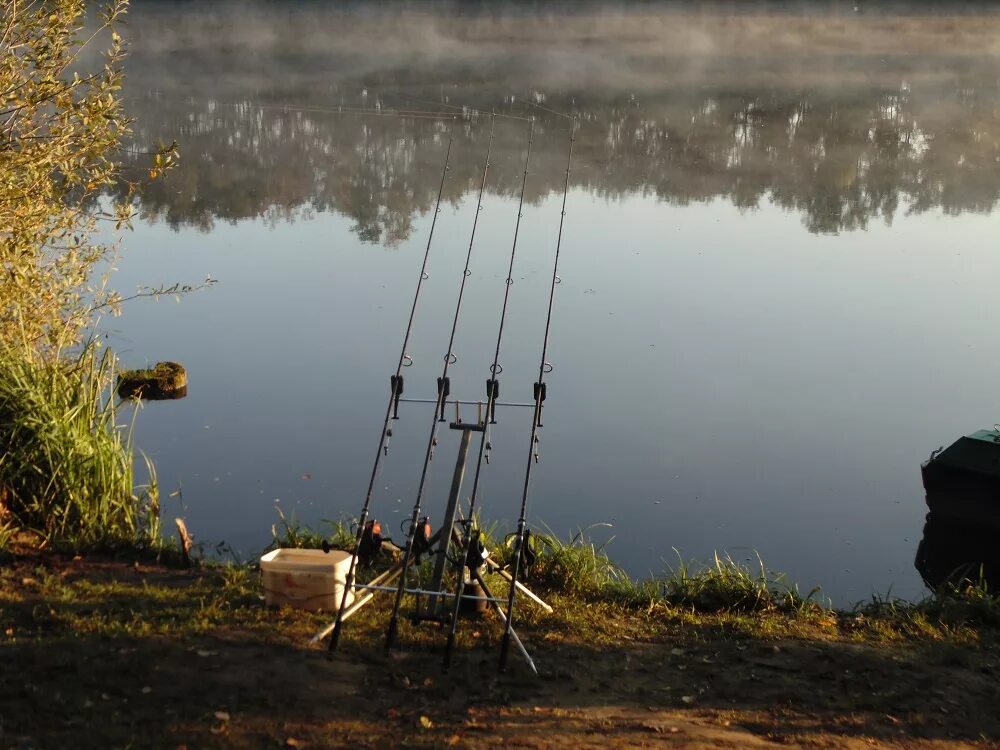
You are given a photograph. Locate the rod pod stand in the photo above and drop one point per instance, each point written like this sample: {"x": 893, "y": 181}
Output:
{"x": 435, "y": 603}
{"x": 472, "y": 554}
{"x": 432, "y": 612}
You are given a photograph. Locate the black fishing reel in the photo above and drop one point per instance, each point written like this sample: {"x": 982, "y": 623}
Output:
{"x": 476, "y": 554}
{"x": 527, "y": 553}
{"x": 422, "y": 537}
{"x": 370, "y": 543}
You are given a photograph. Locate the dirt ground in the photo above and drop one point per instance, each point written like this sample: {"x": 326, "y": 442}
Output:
{"x": 113, "y": 655}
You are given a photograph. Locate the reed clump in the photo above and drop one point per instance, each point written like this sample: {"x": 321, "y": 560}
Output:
{"x": 968, "y": 604}
{"x": 726, "y": 585}
{"x": 577, "y": 565}
{"x": 68, "y": 466}
{"x": 580, "y": 566}
{"x": 288, "y": 532}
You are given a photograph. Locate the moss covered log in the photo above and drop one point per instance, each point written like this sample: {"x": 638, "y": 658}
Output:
{"x": 163, "y": 381}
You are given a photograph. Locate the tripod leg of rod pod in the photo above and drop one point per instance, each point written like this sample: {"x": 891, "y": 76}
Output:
{"x": 517, "y": 641}
{"x": 520, "y": 586}
{"x": 511, "y": 596}
{"x": 459, "y": 590}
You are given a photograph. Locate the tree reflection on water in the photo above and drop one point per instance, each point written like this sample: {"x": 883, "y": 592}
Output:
{"x": 842, "y": 138}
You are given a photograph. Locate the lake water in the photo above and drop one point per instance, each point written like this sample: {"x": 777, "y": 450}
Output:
{"x": 778, "y": 268}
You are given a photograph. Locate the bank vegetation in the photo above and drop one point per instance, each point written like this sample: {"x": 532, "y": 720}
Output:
{"x": 67, "y": 469}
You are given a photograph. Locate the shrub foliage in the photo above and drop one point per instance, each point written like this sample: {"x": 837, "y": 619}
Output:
{"x": 61, "y": 127}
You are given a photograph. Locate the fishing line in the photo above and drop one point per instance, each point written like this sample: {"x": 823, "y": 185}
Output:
{"x": 544, "y": 109}
{"x": 396, "y": 383}
{"x": 377, "y": 111}
{"x": 449, "y": 359}
{"x": 417, "y": 114}
{"x": 464, "y": 108}
{"x": 464, "y": 112}
{"x": 492, "y": 393}
{"x": 543, "y": 368}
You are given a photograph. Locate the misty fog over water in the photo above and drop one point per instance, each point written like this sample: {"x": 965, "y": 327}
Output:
{"x": 778, "y": 263}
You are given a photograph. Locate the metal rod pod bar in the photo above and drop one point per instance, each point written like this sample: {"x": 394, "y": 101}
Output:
{"x": 525, "y": 404}
{"x": 429, "y": 592}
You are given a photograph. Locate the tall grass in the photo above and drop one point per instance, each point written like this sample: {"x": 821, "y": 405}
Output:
{"x": 67, "y": 472}
{"x": 577, "y": 565}
{"x": 288, "y": 532}
{"x": 728, "y": 585}
{"x": 968, "y": 602}
{"x": 582, "y": 567}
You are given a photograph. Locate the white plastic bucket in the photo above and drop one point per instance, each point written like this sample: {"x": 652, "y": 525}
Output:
{"x": 305, "y": 578}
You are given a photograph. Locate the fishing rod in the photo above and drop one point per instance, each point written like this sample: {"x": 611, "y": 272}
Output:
{"x": 396, "y": 390}
{"x": 443, "y": 391}
{"x": 492, "y": 393}
{"x": 539, "y": 388}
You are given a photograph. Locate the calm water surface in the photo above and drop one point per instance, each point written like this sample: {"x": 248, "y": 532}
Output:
{"x": 779, "y": 266}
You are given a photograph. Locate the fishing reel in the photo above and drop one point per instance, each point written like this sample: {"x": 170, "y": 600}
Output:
{"x": 526, "y": 552}
{"x": 370, "y": 543}
{"x": 476, "y": 554}
{"x": 422, "y": 537}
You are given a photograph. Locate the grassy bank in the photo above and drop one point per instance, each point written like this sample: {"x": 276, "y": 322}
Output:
{"x": 581, "y": 569}
{"x": 101, "y": 653}
{"x": 110, "y": 650}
